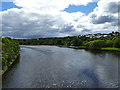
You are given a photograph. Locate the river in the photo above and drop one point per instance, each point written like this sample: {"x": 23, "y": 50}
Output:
{"x": 60, "y": 67}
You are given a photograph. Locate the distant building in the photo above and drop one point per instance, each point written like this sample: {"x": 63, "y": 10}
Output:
{"x": 99, "y": 35}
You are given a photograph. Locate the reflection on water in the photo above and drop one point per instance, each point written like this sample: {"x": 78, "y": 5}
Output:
{"x": 117, "y": 54}
{"x": 58, "y": 67}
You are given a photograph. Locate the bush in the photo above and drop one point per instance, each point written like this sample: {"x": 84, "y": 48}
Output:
{"x": 76, "y": 42}
{"x": 109, "y": 43}
{"x": 87, "y": 44}
{"x": 116, "y": 42}
{"x": 97, "y": 44}
{"x": 10, "y": 49}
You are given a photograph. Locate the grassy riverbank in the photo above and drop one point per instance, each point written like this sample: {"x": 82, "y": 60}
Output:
{"x": 102, "y": 49}
{"x": 111, "y": 49}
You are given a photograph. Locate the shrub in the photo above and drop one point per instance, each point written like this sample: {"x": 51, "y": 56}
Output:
{"x": 76, "y": 42}
{"x": 97, "y": 44}
{"x": 109, "y": 43}
{"x": 10, "y": 49}
{"x": 116, "y": 42}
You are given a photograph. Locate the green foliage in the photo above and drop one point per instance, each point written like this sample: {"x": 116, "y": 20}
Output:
{"x": 92, "y": 43}
{"x": 116, "y": 41}
{"x": 86, "y": 43}
{"x": 10, "y": 49}
{"x": 111, "y": 49}
{"x": 76, "y": 42}
{"x": 109, "y": 43}
{"x": 59, "y": 42}
{"x": 97, "y": 44}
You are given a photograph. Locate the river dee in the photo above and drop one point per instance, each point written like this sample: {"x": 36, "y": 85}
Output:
{"x": 58, "y": 67}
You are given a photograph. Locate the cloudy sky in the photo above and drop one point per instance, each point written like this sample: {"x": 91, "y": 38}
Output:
{"x": 57, "y": 18}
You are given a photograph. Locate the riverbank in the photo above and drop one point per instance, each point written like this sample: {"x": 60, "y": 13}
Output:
{"x": 111, "y": 49}
{"x": 10, "y": 52}
{"x": 82, "y": 47}
{"x": 11, "y": 63}
{"x": 102, "y": 49}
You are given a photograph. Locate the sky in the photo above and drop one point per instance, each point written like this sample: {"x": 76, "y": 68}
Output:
{"x": 8, "y": 5}
{"x": 84, "y": 9}
{"x": 57, "y": 18}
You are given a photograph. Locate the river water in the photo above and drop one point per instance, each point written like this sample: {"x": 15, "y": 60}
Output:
{"x": 59, "y": 67}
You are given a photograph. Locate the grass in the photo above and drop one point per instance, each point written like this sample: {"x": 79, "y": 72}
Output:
{"x": 111, "y": 49}
{"x": 103, "y": 49}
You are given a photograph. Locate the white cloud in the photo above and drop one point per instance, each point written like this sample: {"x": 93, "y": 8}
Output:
{"x": 50, "y": 4}
{"x": 19, "y": 23}
{"x": 45, "y": 18}
{"x": 104, "y": 18}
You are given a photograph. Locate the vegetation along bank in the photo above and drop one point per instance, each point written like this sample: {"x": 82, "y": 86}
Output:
{"x": 105, "y": 42}
{"x": 10, "y": 52}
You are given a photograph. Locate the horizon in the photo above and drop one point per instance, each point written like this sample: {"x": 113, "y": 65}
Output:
{"x": 61, "y": 18}
{"x": 61, "y": 37}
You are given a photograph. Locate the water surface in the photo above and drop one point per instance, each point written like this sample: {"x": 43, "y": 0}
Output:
{"x": 58, "y": 67}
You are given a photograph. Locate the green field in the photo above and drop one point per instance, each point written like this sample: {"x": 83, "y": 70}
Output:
{"x": 111, "y": 49}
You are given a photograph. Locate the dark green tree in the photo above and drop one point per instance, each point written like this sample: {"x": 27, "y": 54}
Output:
{"x": 109, "y": 43}
{"x": 97, "y": 44}
{"x": 76, "y": 42}
{"x": 116, "y": 42}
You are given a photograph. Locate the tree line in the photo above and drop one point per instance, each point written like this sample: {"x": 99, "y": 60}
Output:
{"x": 90, "y": 43}
{"x": 10, "y": 47}
{"x": 10, "y": 50}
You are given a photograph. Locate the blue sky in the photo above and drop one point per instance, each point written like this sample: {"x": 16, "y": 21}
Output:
{"x": 8, "y": 5}
{"x": 72, "y": 8}
{"x": 84, "y": 9}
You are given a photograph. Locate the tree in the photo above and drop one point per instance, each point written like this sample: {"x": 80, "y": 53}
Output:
{"x": 76, "y": 42}
{"x": 10, "y": 48}
{"x": 116, "y": 42}
{"x": 97, "y": 44}
{"x": 109, "y": 43}
{"x": 59, "y": 42}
